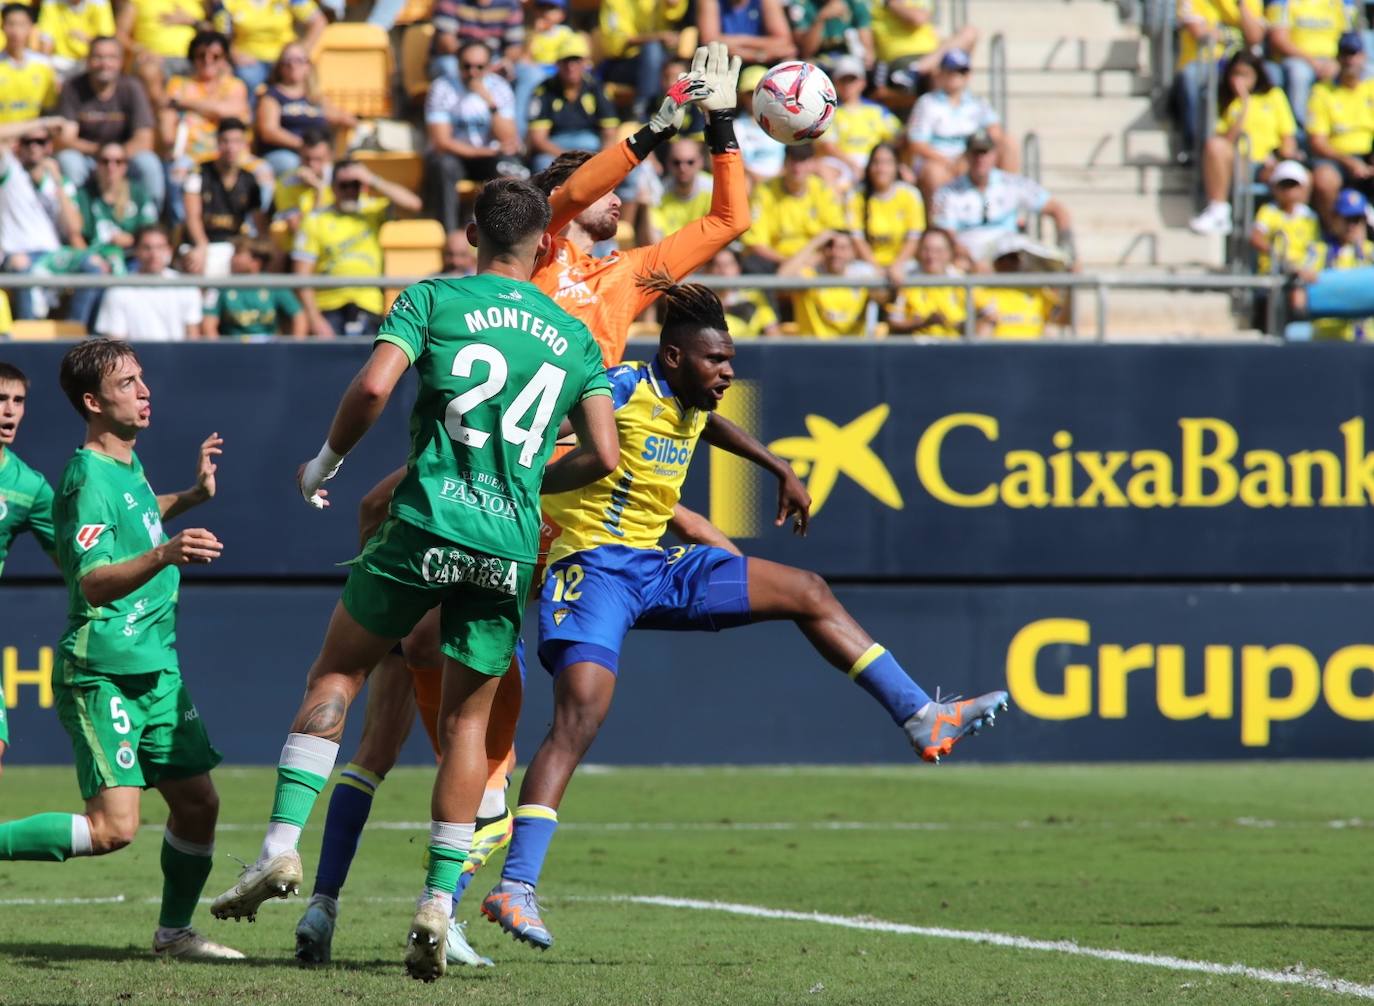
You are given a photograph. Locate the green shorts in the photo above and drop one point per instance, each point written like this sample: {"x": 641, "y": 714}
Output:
{"x": 404, "y": 571}
{"x": 4, "y": 723}
{"x": 132, "y": 729}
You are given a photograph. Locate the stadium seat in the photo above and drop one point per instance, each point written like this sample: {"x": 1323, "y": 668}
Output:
{"x": 415, "y": 10}
{"x": 411, "y": 248}
{"x": 353, "y": 63}
{"x": 415, "y": 46}
{"x": 36, "y": 331}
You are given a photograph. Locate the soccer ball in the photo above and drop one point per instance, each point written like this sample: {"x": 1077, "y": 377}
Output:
{"x": 795, "y": 102}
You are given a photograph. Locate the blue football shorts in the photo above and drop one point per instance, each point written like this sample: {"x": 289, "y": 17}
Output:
{"x": 591, "y": 599}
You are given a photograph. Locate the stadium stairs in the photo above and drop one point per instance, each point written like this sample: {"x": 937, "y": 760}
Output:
{"x": 1078, "y": 78}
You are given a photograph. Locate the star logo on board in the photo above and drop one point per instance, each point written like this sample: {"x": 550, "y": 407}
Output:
{"x": 831, "y": 451}
{"x": 561, "y": 614}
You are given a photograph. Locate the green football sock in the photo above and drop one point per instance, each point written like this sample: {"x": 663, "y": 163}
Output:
{"x": 297, "y": 791}
{"x": 185, "y": 868}
{"x": 448, "y": 850}
{"x": 43, "y": 837}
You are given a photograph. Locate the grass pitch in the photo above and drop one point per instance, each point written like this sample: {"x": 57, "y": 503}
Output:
{"x": 1262, "y": 864}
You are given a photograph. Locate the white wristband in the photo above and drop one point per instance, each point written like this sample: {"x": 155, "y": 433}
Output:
{"x": 318, "y": 471}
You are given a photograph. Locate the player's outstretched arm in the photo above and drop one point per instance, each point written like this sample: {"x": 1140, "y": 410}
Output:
{"x": 361, "y": 405}
{"x": 170, "y": 505}
{"x": 597, "y": 452}
{"x": 793, "y": 499}
{"x": 105, "y": 584}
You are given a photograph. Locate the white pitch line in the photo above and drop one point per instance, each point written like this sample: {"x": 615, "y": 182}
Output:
{"x": 1306, "y": 978}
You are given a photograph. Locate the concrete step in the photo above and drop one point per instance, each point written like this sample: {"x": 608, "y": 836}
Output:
{"x": 1066, "y": 51}
{"x": 1044, "y": 18}
{"x": 1135, "y": 314}
{"x": 1112, "y": 211}
{"x": 1115, "y": 248}
{"x": 1064, "y": 114}
{"x": 1066, "y": 83}
{"x": 1067, "y": 180}
{"x": 1140, "y": 146}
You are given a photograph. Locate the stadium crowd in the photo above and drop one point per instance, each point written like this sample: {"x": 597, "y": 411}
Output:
{"x": 1295, "y": 118}
{"x": 196, "y": 138}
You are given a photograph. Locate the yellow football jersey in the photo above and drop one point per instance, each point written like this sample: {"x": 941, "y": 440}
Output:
{"x": 857, "y": 129}
{"x": 166, "y": 40}
{"x": 263, "y": 28}
{"x": 832, "y": 312}
{"x": 27, "y": 89}
{"x": 749, "y": 315}
{"x": 632, "y": 505}
{"x": 1299, "y": 232}
{"x": 1324, "y": 255}
{"x": 1222, "y": 15}
{"x": 1019, "y": 314}
{"x": 1267, "y": 121}
{"x": 1313, "y": 25}
{"x": 924, "y": 301}
{"x": 71, "y": 27}
{"x": 886, "y": 221}
{"x": 345, "y": 244}
{"x": 674, "y": 212}
{"x": 898, "y": 39}
{"x": 786, "y": 222}
{"x": 1344, "y": 115}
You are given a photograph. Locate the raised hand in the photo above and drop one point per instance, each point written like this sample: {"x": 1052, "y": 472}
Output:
{"x": 206, "y": 467}
{"x": 194, "y": 545}
{"x": 720, "y": 71}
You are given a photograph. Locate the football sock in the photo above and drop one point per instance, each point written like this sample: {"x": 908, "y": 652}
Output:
{"x": 879, "y": 674}
{"x": 493, "y": 805}
{"x": 46, "y": 837}
{"x": 448, "y": 851}
{"x": 302, "y": 772}
{"x": 534, "y": 828}
{"x": 185, "y": 868}
{"x": 349, "y": 806}
{"x": 470, "y": 868}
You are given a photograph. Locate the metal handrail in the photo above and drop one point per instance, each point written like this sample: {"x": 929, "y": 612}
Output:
{"x": 997, "y": 77}
{"x": 1030, "y": 167}
{"x": 1100, "y": 284}
{"x": 958, "y": 15}
{"x": 1210, "y": 111}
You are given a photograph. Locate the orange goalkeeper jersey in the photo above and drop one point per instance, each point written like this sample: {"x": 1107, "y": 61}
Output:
{"x": 602, "y": 292}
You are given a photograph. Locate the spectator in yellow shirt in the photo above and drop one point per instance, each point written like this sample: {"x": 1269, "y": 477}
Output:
{"x": 1340, "y": 127}
{"x": 909, "y": 45}
{"x": 859, "y": 125}
{"x": 886, "y": 214}
{"x": 1302, "y": 37}
{"x": 66, "y": 29}
{"x": 686, "y": 193}
{"x": 634, "y": 34}
{"x": 301, "y": 192}
{"x": 260, "y": 29}
{"x": 790, "y": 211}
{"x": 159, "y": 33}
{"x": 344, "y": 240}
{"x": 1258, "y": 111}
{"x": 1208, "y": 30}
{"x": 1287, "y": 227}
{"x": 829, "y": 312}
{"x": 1017, "y": 312}
{"x": 747, "y": 312}
{"x": 28, "y": 84}
{"x": 935, "y": 310}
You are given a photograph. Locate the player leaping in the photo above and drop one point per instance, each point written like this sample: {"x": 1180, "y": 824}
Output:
{"x": 607, "y": 574}
{"x": 603, "y": 293}
{"x": 500, "y": 366}
{"x": 25, "y": 496}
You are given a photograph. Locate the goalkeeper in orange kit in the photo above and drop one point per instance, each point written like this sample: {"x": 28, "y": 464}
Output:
{"x": 603, "y": 293}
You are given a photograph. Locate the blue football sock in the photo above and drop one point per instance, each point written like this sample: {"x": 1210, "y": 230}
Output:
{"x": 349, "y": 807}
{"x": 534, "y": 828}
{"x": 879, "y": 674}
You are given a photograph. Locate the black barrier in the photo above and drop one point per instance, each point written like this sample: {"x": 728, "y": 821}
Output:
{"x": 1095, "y": 673}
{"x": 992, "y": 462}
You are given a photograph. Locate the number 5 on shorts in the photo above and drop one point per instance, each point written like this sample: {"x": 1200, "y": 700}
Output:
{"x": 118, "y": 716}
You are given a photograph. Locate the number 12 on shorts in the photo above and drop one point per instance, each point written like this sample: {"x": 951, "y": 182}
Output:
{"x": 567, "y": 583}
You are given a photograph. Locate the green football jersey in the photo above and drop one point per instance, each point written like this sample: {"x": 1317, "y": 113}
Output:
{"x": 500, "y": 366}
{"x": 107, "y": 513}
{"x": 25, "y": 505}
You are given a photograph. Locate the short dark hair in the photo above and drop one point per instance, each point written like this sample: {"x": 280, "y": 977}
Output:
{"x": 560, "y": 170}
{"x": 17, "y": 8}
{"x": 509, "y": 212}
{"x": 203, "y": 39}
{"x": 261, "y": 249}
{"x": 479, "y": 44}
{"x": 152, "y": 229}
{"x": 312, "y": 137}
{"x": 9, "y": 372}
{"x": 103, "y": 40}
{"x": 229, "y": 125}
{"x": 86, "y": 365}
